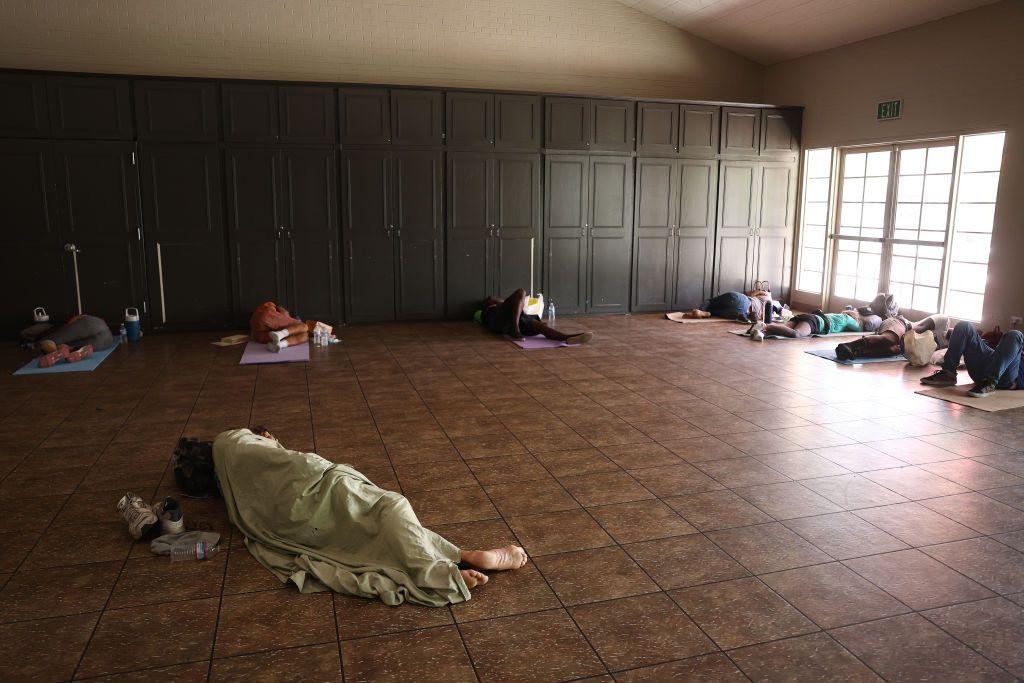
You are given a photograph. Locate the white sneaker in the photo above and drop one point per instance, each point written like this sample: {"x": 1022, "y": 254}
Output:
{"x": 140, "y": 517}
{"x": 756, "y": 331}
{"x": 171, "y": 519}
{"x": 278, "y": 335}
{"x": 274, "y": 346}
{"x": 757, "y": 335}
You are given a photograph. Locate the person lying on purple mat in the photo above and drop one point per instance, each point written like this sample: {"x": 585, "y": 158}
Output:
{"x": 506, "y": 316}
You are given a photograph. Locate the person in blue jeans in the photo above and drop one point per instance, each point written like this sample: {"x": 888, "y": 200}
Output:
{"x": 991, "y": 369}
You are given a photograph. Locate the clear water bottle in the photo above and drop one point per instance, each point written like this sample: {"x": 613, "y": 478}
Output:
{"x": 199, "y": 551}
{"x": 124, "y": 334}
{"x": 551, "y": 313}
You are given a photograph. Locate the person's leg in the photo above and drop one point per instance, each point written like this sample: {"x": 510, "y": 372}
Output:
{"x": 532, "y": 326}
{"x": 290, "y": 340}
{"x": 797, "y": 331}
{"x": 1004, "y": 363}
{"x": 511, "y": 309}
{"x": 872, "y": 346}
{"x": 85, "y": 328}
{"x": 293, "y": 329}
{"x": 965, "y": 343}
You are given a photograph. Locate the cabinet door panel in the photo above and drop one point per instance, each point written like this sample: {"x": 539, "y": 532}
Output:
{"x": 695, "y": 241}
{"x": 416, "y": 202}
{"x": 369, "y": 249}
{"x": 254, "y": 220}
{"x": 610, "y": 234}
{"x": 365, "y": 115}
{"x": 517, "y": 122}
{"x": 250, "y": 112}
{"x": 417, "y": 117}
{"x": 311, "y": 225}
{"x": 517, "y": 219}
{"x": 470, "y": 119}
{"x": 657, "y": 128}
{"x": 307, "y": 114}
{"x": 24, "y": 113}
{"x": 469, "y": 258}
{"x": 185, "y": 246}
{"x": 31, "y": 252}
{"x": 565, "y": 229}
{"x": 101, "y": 216}
{"x": 614, "y": 126}
{"x": 698, "y": 129}
{"x": 176, "y": 110}
{"x": 568, "y": 122}
{"x": 780, "y": 133}
{"x": 655, "y": 216}
{"x": 741, "y": 131}
{"x": 777, "y": 206}
{"x": 737, "y": 204}
{"x": 90, "y": 108}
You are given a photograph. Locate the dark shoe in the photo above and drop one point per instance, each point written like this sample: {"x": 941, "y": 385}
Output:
{"x": 940, "y": 378}
{"x": 579, "y": 338}
{"x": 982, "y": 389}
{"x": 845, "y": 352}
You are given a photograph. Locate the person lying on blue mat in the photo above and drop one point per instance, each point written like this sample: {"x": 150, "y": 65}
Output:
{"x": 991, "y": 369}
{"x": 73, "y": 341}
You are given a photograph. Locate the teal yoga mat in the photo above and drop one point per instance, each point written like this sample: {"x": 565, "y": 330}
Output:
{"x": 87, "y": 365}
{"x": 830, "y": 354}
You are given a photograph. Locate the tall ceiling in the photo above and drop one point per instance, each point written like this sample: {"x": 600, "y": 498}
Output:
{"x": 770, "y": 31}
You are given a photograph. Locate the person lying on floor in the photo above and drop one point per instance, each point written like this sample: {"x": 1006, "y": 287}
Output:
{"x": 991, "y": 369}
{"x": 506, "y": 317}
{"x": 888, "y": 338}
{"x": 808, "y": 324}
{"x": 74, "y": 341}
{"x": 274, "y": 326}
{"x": 325, "y": 526}
{"x": 751, "y": 307}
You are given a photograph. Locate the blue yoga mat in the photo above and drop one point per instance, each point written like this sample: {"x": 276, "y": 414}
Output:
{"x": 830, "y": 354}
{"x": 87, "y": 365}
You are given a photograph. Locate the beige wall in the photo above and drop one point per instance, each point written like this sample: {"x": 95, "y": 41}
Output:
{"x": 964, "y": 73}
{"x": 579, "y": 46}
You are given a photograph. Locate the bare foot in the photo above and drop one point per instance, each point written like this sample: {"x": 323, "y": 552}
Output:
{"x": 509, "y": 557}
{"x": 473, "y": 578}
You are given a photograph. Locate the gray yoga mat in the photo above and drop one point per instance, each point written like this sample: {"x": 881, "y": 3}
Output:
{"x": 830, "y": 354}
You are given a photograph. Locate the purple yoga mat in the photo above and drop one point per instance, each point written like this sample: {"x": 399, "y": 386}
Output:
{"x": 538, "y": 342}
{"x": 256, "y": 353}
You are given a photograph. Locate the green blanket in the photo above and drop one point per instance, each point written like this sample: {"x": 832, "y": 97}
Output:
{"x": 326, "y": 526}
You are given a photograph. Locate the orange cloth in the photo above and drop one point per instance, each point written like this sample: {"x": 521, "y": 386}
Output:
{"x": 268, "y": 317}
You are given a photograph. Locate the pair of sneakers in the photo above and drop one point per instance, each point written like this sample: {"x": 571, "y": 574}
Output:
{"x": 65, "y": 353}
{"x": 945, "y": 378}
{"x": 142, "y": 518}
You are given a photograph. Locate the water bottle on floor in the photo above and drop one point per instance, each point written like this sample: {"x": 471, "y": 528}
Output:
{"x": 199, "y": 551}
{"x": 551, "y": 313}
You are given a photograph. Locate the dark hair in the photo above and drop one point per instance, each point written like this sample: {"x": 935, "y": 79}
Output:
{"x": 193, "y": 469}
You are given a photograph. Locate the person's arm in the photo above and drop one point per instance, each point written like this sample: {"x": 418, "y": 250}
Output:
{"x": 852, "y": 324}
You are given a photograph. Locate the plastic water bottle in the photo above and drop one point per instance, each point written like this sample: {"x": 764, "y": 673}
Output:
{"x": 318, "y": 337}
{"x": 551, "y": 313}
{"x": 124, "y": 334}
{"x": 199, "y": 551}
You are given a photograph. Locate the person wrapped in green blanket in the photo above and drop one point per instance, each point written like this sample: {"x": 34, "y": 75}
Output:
{"x": 325, "y": 526}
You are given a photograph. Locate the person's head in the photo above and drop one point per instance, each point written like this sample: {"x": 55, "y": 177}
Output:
{"x": 870, "y": 323}
{"x": 194, "y": 472}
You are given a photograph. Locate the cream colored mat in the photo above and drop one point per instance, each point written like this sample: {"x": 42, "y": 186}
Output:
{"x": 678, "y": 318}
{"x": 999, "y": 400}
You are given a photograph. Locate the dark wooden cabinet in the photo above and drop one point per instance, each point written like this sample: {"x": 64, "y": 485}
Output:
{"x": 282, "y": 229}
{"x": 90, "y": 108}
{"x": 675, "y": 233}
{"x": 593, "y": 125}
{"x": 657, "y": 128}
{"x": 177, "y": 111}
{"x": 250, "y": 112}
{"x": 470, "y": 120}
{"x": 417, "y": 117}
{"x": 23, "y": 113}
{"x": 34, "y": 269}
{"x": 773, "y": 249}
{"x": 698, "y": 130}
{"x": 493, "y": 227}
{"x": 780, "y": 133}
{"x": 741, "y": 131}
{"x": 307, "y": 114}
{"x": 392, "y": 232}
{"x": 613, "y": 125}
{"x": 364, "y": 115}
{"x": 100, "y": 226}
{"x": 588, "y": 234}
{"x": 182, "y": 202}
{"x": 568, "y": 121}
{"x": 737, "y": 224}
{"x": 517, "y": 122}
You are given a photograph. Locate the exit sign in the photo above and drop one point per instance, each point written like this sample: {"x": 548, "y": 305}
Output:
{"x": 889, "y": 110}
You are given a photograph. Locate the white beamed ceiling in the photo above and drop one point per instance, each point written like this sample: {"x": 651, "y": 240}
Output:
{"x": 771, "y": 31}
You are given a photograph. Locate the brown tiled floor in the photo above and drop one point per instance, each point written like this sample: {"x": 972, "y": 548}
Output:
{"x": 696, "y": 505}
